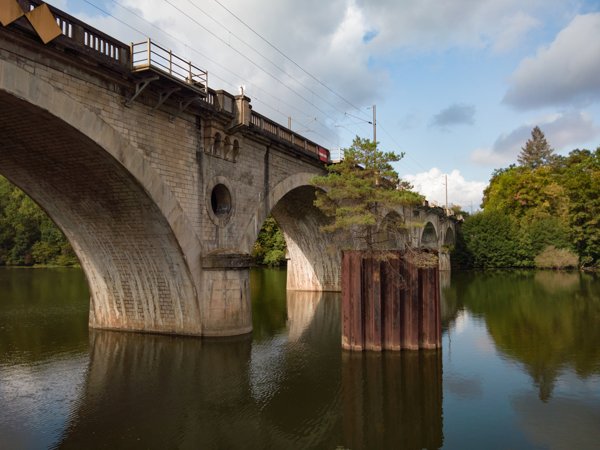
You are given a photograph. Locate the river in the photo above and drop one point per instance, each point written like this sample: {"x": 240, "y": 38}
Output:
{"x": 519, "y": 368}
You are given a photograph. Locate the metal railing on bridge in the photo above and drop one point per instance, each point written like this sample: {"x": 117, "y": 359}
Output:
{"x": 148, "y": 55}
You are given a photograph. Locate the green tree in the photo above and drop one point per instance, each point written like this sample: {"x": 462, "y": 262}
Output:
{"x": 27, "y": 235}
{"x": 537, "y": 151}
{"x": 359, "y": 191}
{"x": 269, "y": 248}
{"x": 581, "y": 180}
{"x": 492, "y": 240}
{"x": 554, "y": 208}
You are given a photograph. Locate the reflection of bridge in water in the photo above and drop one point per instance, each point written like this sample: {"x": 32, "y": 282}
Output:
{"x": 162, "y": 391}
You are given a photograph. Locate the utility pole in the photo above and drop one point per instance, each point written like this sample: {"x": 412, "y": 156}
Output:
{"x": 446, "y": 191}
{"x": 375, "y": 125}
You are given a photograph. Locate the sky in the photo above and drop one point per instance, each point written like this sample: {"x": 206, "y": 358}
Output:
{"x": 457, "y": 85}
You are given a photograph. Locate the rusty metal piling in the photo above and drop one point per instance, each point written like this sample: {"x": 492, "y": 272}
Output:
{"x": 389, "y": 303}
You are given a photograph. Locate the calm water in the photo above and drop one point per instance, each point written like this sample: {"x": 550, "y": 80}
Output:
{"x": 519, "y": 368}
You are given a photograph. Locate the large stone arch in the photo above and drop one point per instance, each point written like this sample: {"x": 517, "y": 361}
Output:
{"x": 123, "y": 222}
{"x": 265, "y": 205}
{"x": 429, "y": 236}
{"x": 392, "y": 232}
{"x": 314, "y": 262}
{"x": 449, "y": 237}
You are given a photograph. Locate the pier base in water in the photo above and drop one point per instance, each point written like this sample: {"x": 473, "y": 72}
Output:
{"x": 390, "y": 301}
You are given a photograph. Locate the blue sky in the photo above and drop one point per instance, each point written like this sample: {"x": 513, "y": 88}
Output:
{"x": 458, "y": 84}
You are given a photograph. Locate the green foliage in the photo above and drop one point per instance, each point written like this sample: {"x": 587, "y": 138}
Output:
{"x": 552, "y": 201}
{"x": 581, "y": 178}
{"x": 27, "y": 235}
{"x": 461, "y": 255}
{"x": 359, "y": 191}
{"x": 269, "y": 249}
{"x": 491, "y": 240}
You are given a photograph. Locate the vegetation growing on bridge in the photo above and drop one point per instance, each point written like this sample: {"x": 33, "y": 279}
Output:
{"x": 543, "y": 212}
{"x": 361, "y": 190}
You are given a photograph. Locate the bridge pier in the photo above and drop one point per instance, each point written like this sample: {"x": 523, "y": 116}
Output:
{"x": 226, "y": 306}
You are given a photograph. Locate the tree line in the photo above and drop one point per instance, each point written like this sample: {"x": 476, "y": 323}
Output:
{"x": 27, "y": 235}
{"x": 542, "y": 212}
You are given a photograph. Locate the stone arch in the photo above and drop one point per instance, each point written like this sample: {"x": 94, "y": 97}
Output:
{"x": 125, "y": 225}
{"x": 449, "y": 238}
{"x": 266, "y": 203}
{"x": 313, "y": 263}
{"x": 429, "y": 236}
{"x": 392, "y": 233}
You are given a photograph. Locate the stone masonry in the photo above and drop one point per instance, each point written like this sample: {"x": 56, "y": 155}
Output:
{"x": 162, "y": 206}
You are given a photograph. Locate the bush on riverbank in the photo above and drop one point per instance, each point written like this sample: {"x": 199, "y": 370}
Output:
{"x": 556, "y": 258}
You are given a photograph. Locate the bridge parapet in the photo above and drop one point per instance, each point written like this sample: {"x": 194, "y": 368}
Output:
{"x": 81, "y": 37}
{"x": 287, "y": 136}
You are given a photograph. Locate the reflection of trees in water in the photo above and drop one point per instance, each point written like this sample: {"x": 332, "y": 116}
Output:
{"x": 546, "y": 320}
{"x": 267, "y": 291}
{"x": 43, "y": 312}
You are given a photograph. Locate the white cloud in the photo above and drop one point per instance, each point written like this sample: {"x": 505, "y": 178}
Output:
{"x": 467, "y": 194}
{"x": 564, "y": 73}
{"x": 487, "y": 157}
{"x": 564, "y": 132}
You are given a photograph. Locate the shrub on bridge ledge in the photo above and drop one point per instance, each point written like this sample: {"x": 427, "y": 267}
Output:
{"x": 359, "y": 191}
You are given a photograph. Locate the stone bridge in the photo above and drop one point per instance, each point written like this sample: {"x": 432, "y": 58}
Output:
{"x": 160, "y": 183}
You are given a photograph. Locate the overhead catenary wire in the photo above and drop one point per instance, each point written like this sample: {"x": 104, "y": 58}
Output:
{"x": 250, "y": 60}
{"x": 216, "y": 63}
{"x": 234, "y": 85}
{"x": 266, "y": 58}
{"x": 286, "y": 56}
{"x": 398, "y": 144}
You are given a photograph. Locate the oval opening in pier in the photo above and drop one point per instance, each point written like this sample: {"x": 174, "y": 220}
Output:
{"x": 220, "y": 200}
